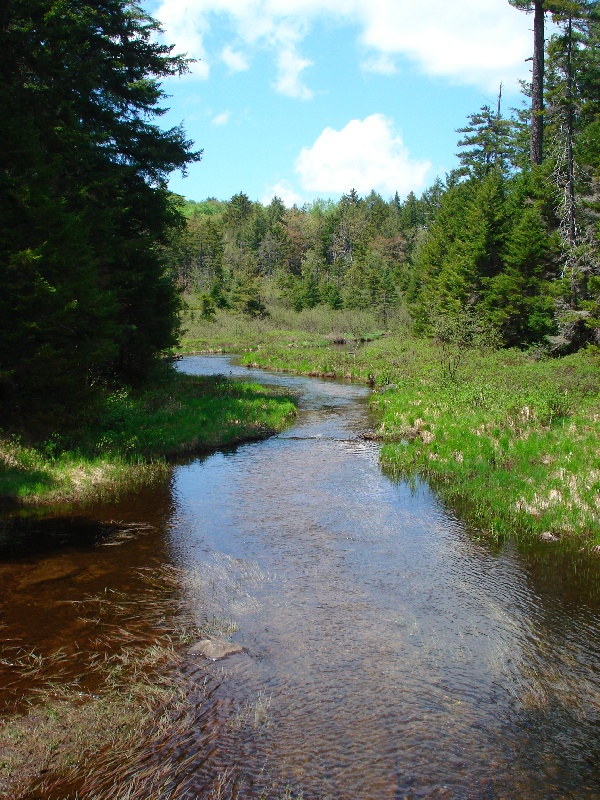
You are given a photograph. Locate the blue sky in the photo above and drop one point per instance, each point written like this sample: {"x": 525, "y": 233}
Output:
{"x": 311, "y": 98}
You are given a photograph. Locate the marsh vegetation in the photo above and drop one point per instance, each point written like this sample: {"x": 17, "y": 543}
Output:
{"x": 127, "y": 438}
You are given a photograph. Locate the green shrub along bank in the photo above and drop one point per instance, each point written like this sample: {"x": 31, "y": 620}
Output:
{"x": 126, "y": 439}
{"x": 236, "y": 333}
{"x": 508, "y": 440}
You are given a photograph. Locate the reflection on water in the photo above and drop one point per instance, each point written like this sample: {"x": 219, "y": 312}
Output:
{"x": 390, "y": 652}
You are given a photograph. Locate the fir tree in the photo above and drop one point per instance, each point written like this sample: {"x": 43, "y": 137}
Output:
{"x": 84, "y": 296}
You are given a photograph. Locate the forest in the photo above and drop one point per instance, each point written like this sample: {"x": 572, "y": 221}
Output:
{"x": 508, "y": 239}
{"x": 96, "y": 251}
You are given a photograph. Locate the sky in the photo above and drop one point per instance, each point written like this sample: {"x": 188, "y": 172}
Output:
{"x": 311, "y": 98}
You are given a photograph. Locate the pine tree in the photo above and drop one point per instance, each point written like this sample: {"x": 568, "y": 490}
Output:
{"x": 84, "y": 296}
{"x": 538, "y": 7}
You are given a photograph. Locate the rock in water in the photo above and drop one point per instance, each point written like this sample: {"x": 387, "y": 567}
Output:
{"x": 546, "y": 536}
{"x": 215, "y": 649}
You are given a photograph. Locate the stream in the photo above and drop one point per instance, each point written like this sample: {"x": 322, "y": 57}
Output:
{"x": 389, "y": 650}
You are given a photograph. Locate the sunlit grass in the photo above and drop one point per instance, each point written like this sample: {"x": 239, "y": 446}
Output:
{"x": 513, "y": 444}
{"x": 510, "y": 441}
{"x": 128, "y": 438}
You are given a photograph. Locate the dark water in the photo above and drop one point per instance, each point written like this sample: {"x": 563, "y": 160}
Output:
{"x": 391, "y": 652}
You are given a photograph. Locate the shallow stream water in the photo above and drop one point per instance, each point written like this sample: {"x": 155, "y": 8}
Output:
{"x": 390, "y": 652}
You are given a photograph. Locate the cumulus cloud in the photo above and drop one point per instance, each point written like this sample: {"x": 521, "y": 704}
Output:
{"x": 478, "y": 42}
{"x": 236, "y": 61}
{"x": 366, "y": 154}
{"x": 285, "y": 192}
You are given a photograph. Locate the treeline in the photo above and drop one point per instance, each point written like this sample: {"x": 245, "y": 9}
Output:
{"x": 351, "y": 254}
{"x": 507, "y": 244}
{"x": 85, "y": 299}
{"x": 91, "y": 239}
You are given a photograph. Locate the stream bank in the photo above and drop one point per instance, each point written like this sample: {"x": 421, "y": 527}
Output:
{"x": 388, "y": 650}
{"x": 125, "y": 441}
{"x": 506, "y": 438}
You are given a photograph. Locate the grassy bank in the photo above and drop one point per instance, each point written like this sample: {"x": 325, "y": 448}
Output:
{"x": 509, "y": 440}
{"x": 128, "y": 438}
{"x": 234, "y": 333}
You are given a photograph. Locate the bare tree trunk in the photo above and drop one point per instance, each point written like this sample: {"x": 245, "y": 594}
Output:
{"x": 497, "y": 138}
{"x": 537, "y": 85}
{"x": 570, "y": 125}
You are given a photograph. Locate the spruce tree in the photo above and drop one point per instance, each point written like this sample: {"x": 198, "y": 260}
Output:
{"x": 84, "y": 296}
{"x": 487, "y": 136}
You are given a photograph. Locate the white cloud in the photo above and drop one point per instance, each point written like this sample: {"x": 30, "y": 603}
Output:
{"x": 285, "y": 192}
{"x": 221, "y": 119}
{"x": 477, "y": 42}
{"x": 288, "y": 82}
{"x": 366, "y": 154}
{"x": 380, "y": 64}
{"x": 236, "y": 61}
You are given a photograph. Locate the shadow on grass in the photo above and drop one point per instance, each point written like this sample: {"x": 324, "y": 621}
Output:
{"x": 17, "y": 482}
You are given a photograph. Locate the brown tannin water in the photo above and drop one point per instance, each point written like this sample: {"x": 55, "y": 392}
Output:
{"x": 390, "y": 652}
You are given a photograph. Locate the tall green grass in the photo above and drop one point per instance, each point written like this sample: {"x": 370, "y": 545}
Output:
{"x": 513, "y": 444}
{"x": 511, "y": 441}
{"x": 236, "y": 333}
{"x": 128, "y": 437}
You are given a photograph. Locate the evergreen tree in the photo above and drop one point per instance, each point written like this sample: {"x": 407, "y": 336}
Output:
{"x": 83, "y": 199}
{"x": 515, "y": 299}
{"x": 487, "y": 135}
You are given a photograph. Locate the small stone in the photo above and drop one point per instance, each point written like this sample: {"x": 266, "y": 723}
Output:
{"x": 546, "y": 536}
{"x": 215, "y": 649}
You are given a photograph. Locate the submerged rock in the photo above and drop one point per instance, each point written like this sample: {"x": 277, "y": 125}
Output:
{"x": 215, "y": 649}
{"x": 546, "y": 536}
